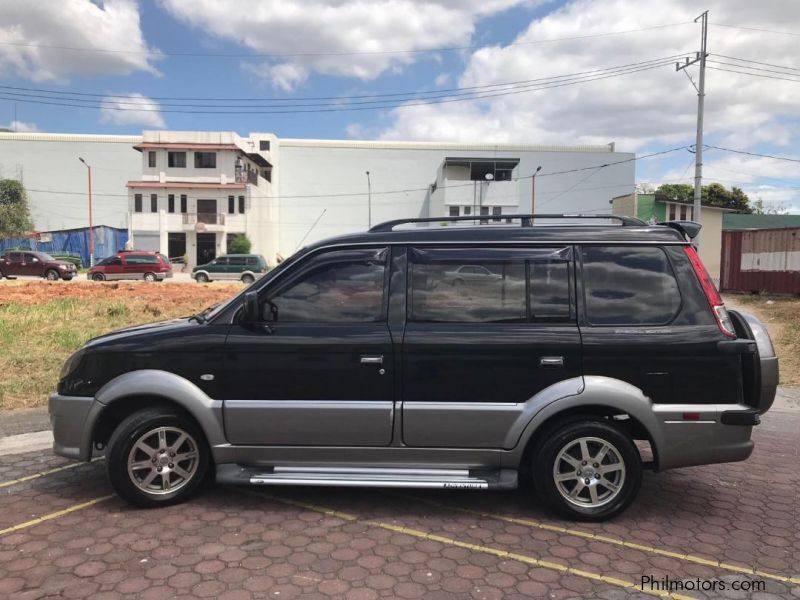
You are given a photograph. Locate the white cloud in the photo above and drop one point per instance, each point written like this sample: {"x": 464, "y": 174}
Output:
{"x": 21, "y": 126}
{"x": 131, "y": 109}
{"x": 337, "y": 26}
{"x": 34, "y": 33}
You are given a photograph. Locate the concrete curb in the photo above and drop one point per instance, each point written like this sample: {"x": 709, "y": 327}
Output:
{"x": 26, "y": 442}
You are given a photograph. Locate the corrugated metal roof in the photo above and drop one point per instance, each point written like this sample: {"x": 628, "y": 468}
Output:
{"x": 735, "y": 222}
{"x": 478, "y": 146}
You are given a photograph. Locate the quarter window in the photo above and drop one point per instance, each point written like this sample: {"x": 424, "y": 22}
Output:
{"x": 627, "y": 285}
{"x": 345, "y": 286}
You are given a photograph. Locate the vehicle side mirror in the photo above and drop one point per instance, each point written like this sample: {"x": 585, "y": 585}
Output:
{"x": 250, "y": 312}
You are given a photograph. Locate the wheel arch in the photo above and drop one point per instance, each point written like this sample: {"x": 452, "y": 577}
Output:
{"x": 602, "y": 397}
{"x": 136, "y": 390}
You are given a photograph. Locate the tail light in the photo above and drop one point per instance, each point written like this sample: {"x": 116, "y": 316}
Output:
{"x": 712, "y": 295}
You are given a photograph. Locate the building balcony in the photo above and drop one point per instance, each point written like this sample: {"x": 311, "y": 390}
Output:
{"x": 466, "y": 193}
{"x": 203, "y": 221}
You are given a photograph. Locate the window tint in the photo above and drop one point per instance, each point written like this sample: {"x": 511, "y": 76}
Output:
{"x": 483, "y": 291}
{"x": 342, "y": 287}
{"x": 549, "y": 290}
{"x": 236, "y": 260}
{"x": 628, "y": 286}
{"x": 141, "y": 259}
{"x": 15, "y": 257}
{"x": 110, "y": 261}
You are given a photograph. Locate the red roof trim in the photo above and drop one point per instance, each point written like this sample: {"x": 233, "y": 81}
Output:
{"x": 186, "y": 146}
{"x": 186, "y": 185}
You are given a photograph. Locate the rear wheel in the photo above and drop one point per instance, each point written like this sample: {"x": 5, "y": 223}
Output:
{"x": 247, "y": 279}
{"x": 51, "y": 275}
{"x": 150, "y": 277}
{"x": 98, "y": 277}
{"x": 157, "y": 457}
{"x": 201, "y": 278}
{"x": 587, "y": 470}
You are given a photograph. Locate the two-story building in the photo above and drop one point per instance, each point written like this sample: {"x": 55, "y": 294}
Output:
{"x": 198, "y": 190}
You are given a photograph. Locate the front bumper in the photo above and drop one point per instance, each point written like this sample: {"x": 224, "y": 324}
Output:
{"x": 69, "y": 416}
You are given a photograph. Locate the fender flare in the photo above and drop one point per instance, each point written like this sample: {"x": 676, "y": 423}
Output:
{"x": 203, "y": 271}
{"x": 206, "y": 411}
{"x": 587, "y": 391}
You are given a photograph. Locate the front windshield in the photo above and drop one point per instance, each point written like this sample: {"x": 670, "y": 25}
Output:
{"x": 43, "y": 256}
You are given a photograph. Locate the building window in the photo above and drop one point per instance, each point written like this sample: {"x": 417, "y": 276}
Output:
{"x": 263, "y": 145}
{"x": 671, "y": 212}
{"x": 137, "y": 203}
{"x": 453, "y": 211}
{"x": 267, "y": 174}
{"x": 153, "y": 203}
{"x": 683, "y": 213}
{"x": 484, "y": 212}
{"x": 241, "y": 205}
{"x": 497, "y": 211}
{"x": 231, "y": 205}
{"x": 205, "y": 160}
{"x": 183, "y": 203}
{"x": 171, "y": 203}
{"x": 467, "y": 210}
{"x": 176, "y": 160}
{"x": 151, "y": 158}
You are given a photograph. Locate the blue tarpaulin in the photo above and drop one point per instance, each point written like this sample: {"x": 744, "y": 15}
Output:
{"x": 107, "y": 241}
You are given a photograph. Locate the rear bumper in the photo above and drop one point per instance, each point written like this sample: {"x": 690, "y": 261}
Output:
{"x": 721, "y": 433}
{"x": 69, "y": 417}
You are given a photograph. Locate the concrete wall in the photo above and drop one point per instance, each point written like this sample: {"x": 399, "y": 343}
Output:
{"x": 711, "y": 241}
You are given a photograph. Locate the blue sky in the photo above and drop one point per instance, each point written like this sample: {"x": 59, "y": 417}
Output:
{"x": 643, "y": 111}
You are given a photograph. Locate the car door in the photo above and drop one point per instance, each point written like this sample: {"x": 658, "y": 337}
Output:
{"x": 476, "y": 350}
{"x": 13, "y": 264}
{"x": 319, "y": 370}
{"x": 113, "y": 267}
{"x": 31, "y": 265}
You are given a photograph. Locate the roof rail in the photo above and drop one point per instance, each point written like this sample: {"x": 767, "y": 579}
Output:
{"x": 689, "y": 229}
{"x": 526, "y": 220}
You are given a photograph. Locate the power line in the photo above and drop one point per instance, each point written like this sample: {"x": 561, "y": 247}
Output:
{"x": 127, "y": 100}
{"x": 186, "y": 54}
{"x": 756, "y": 62}
{"x": 757, "y": 29}
{"x": 772, "y": 156}
{"x": 754, "y": 74}
{"x": 38, "y": 99}
{"x": 729, "y": 64}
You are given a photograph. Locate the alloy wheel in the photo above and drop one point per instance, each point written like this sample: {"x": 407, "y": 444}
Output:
{"x": 589, "y": 472}
{"x": 163, "y": 460}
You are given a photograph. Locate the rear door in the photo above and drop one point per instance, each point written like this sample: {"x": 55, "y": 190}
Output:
{"x": 112, "y": 267}
{"x": 13, "y": 263}
{"x": 477, "y": 348}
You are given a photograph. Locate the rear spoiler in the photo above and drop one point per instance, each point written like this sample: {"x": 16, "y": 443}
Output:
{"x": 689, "y": 229}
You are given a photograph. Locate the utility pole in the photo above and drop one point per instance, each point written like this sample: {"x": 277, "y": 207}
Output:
{"x": 91, "y": 231}
{"x": 533, "y": 189}
{"x": 701, "y": 94}
{"x": 369, "y": 202}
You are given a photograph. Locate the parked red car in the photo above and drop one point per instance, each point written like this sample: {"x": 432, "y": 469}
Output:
{"x": 150, "y": 266}
{"x": 14, "y": 263}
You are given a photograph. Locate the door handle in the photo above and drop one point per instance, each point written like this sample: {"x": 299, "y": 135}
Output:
{"x": 551, "y": 361}
{"x": 372, "y": 360}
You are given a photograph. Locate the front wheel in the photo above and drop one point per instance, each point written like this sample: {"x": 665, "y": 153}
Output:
{"x": 587, "y": 470}
{"x": 151, "y": 277}
{"x": 51, "y": 275}
{"x": 201, "y": 278}
{"x": 247, "y": 279}
{"x": 98, "y": 277}
{"x": 157, "y": 457}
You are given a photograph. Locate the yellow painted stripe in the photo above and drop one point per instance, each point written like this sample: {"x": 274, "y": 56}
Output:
{"x": 43, "y": 473}
{"x": 55, "y": 515}
{"x": 523, "y": 558}
{"x": 617, "y": 542}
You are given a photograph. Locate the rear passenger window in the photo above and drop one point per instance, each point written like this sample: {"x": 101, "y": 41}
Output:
{"x": 549, "y": 291}
{"x": 141, "y": 259}
{"x": 628, "y": 285}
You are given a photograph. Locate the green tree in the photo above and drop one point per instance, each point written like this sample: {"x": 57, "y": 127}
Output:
{"x": 239, "y": 245}
{"x": 14, "y": 214}
{"x": 681, "y": 192}
{"x": 713, "y": 194}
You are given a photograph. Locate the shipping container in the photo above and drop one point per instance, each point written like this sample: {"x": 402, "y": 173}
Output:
{"x": 761, "y": 260}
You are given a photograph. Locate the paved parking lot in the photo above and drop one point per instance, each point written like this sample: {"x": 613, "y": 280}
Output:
{"x": 64, "y": 534}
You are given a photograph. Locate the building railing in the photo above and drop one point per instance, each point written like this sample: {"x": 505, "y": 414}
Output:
{"x": 247, "y": 177}
{"x": 206, "y": 218}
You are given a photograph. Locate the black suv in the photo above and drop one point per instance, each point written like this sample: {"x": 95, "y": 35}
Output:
{"x": 435, "y": 357}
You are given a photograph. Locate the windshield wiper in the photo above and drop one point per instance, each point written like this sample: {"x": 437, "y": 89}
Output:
{"x": 201, "y": 316}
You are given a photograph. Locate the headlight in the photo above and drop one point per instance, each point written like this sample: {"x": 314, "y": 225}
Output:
{"x": 71, "y": 364}
{"x": 62, "y": 267}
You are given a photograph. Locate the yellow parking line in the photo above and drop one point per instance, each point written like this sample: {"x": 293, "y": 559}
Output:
{"x": 617, "y": 542}
{"x": 55, "y": 515}
{"x": 43, "y": 473}
{"x": 523, "y": 558}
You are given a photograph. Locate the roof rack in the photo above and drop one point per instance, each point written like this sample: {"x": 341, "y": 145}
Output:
{"x": 526, "y": 220}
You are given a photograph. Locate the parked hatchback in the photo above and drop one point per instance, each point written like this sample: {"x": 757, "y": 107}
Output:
{"x": 35, "y": 264}
{"x": 359, "y": 362}
{"x": 150, "y": 266}
{"x": 244, "y": 267}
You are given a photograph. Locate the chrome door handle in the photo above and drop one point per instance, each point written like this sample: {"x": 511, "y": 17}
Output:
{"x": 372, "y": 360}
{"x": 551, "y": 361}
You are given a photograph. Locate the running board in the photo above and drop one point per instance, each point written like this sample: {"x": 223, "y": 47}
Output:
{"x": 387, "y": 477}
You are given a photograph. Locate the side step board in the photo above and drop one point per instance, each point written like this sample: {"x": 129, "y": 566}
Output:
{"x": 388, "y": 477}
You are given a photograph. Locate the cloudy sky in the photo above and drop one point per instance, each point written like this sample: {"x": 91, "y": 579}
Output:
{"x": 536, "y": 71}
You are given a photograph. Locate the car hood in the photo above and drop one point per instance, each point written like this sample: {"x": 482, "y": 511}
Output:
{"x": 137, "y": 333}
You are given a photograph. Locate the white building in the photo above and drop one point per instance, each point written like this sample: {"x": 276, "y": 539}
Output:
{"x": 285, "y": 193}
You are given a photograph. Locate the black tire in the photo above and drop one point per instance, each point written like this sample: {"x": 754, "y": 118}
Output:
{"x": 247, "y": 279}
{"x": 130, "y": 432}
{"x": 98, "y": 277}
{"x": 51, "y": 275}
{"x": 201, "y": 278}
{"x": 582, "y": 507}
{"x": 150, "y": 277}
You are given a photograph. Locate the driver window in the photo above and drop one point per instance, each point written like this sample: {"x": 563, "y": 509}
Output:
{"x": 341, "y": 287}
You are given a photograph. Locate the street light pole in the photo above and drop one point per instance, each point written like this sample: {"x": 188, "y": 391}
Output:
{"x": 91, "y": 231}
{"x": 533, "y": 189}
{"x": 369, "y": 201}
